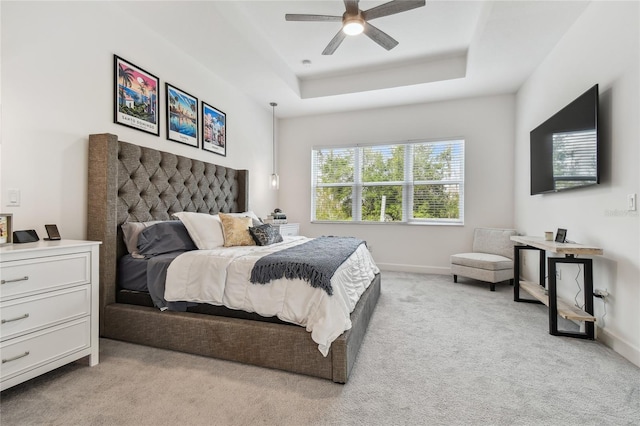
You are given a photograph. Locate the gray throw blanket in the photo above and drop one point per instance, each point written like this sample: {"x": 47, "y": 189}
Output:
{"x": 314, "y": 261}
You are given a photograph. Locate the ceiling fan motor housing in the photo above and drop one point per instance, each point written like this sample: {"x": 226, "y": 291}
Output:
{"x": 352, "y": 24}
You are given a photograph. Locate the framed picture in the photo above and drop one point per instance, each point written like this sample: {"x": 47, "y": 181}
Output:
{"x": 182, "y": 116}
{"x": 136, "y": 95}
{"x": 214, "y": 130}
{"x": 6, "y": 228}
{"x": 561, "y": 235}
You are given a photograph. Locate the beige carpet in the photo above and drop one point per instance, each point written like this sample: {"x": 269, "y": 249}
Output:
{"x": 436, "y": 353}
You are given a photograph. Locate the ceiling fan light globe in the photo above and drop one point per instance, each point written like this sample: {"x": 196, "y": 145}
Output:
{"x": 353, "y": 27}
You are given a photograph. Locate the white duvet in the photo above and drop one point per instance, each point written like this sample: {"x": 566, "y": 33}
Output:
{"x": 221, "y": 277}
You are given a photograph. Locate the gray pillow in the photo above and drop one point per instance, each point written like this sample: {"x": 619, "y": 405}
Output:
{"x": 265, "y": 235}
{"x": 164, "y": 237}
{"x": 130, "y": 233}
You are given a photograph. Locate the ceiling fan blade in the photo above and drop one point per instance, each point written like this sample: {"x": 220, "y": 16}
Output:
{"x": 351, "y": 6}
{"x": 392, "y": 8}
{"x": 380, "y": 37}
{"x": 334, "y": 43}
{"x": 319, "y": 18}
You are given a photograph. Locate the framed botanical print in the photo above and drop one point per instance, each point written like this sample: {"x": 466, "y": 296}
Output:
{"x": 214, "y": 130}
{"x": 136, "y": 97}
{"x": 182, "y": 116}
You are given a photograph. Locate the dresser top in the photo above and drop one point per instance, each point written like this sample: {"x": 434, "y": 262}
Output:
{"x": 44, "y": 245}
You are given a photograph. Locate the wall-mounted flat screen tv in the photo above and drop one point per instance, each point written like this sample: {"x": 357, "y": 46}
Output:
{"x": 564, "y": 149}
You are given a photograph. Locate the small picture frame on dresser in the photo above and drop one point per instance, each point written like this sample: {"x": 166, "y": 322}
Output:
{"x": 6, "y": 228}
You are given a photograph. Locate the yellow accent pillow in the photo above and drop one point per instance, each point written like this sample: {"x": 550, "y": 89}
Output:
{"x": 236, "y": 230}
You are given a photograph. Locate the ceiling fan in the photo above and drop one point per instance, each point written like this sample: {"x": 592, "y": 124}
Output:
{"x": 355, "y": 21}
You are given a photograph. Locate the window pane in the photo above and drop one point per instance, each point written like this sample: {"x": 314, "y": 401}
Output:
{"x": 334, "y": 203}
{"x": 436, "y": 201}
{"x": 383, "y": 163}
{"x": 377, "y": 198}
{"x": 335, "y": 165}
{"x": 437, "y": 161}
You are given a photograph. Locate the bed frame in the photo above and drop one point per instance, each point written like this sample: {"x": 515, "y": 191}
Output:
{"x": 132, "y": 183}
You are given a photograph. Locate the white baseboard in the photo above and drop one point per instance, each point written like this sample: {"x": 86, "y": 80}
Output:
{"x": 619, "y": 345}
{"x": 399, "y": 267}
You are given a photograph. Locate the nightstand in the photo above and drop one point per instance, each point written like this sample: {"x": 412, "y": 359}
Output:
{"x": 288, "y": 229}
{"x": 49, "y": 303}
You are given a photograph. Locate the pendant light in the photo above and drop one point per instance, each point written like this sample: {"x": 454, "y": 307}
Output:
{"x": 275, "y": 179}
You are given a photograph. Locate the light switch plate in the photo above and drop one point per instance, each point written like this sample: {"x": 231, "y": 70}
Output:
{"x": 13, "y": 197}
{"x": 631, "y": 202}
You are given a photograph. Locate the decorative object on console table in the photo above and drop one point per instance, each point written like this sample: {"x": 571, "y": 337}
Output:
{"x": 49, "y": 307}
{"x": 6, "y": 229}
{"x": 561, "y": 235}
{"x": 549, "y": 296}
{"x": 214, "y": 130}
{"x": 288, "y": 229}
{"x": 136, "y": 97}
{"x": 182, "y": 116}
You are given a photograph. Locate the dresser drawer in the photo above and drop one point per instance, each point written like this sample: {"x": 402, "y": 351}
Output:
{"x": 27, "y": 277}
{"x": 34, "y": 350}
{"x": 33, "y": 313}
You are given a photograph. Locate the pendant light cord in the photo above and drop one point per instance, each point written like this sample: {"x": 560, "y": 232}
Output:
{"x": 273, "y": 136}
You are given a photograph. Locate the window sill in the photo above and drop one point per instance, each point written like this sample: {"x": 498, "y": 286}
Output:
{"x": 331, "y": 222}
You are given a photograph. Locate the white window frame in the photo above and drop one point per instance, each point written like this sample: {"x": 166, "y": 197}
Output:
{"x": 407, "y": 184}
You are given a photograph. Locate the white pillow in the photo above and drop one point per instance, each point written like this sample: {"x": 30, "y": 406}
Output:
{"x": 249, "y": 213}
{"x": 204, "y": 229}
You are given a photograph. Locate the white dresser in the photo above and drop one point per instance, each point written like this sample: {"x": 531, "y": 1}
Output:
{"x": 288, "y": 229}
{"x": 48, "y": 307}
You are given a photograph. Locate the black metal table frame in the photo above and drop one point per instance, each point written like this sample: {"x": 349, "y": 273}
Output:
{"x": 589, "y": 332}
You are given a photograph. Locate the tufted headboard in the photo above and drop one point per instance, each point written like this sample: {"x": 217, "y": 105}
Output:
{"x": 131, "y": 183}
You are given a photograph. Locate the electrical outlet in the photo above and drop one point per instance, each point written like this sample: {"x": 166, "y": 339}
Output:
{"x": 600, "y": 293}
{"x": 558, "y": 274}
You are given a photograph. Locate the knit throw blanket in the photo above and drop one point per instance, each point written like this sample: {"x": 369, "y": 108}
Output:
{"x": 314, "y": 261}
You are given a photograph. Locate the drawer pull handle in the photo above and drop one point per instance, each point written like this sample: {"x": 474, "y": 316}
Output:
{"x": 15, "y": 319}
{"x": 14, "y": 280}
{"x": 15, "y": 357}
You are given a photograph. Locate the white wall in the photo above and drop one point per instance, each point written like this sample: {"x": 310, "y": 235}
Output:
{"x": 487, "y": 126}
{"x": 57, "y": 88}
{"x": 602, "y": 47}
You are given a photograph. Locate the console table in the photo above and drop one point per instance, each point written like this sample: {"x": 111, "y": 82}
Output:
{"x": 537, "y": 290}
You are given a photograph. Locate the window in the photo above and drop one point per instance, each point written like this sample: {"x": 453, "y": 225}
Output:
{"x": 409, "y": 182}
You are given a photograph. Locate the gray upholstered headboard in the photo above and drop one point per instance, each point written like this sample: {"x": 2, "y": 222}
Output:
{"x": 131, "y": 183}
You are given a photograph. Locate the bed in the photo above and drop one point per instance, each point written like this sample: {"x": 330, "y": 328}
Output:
{"x": 129, "y": 183}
